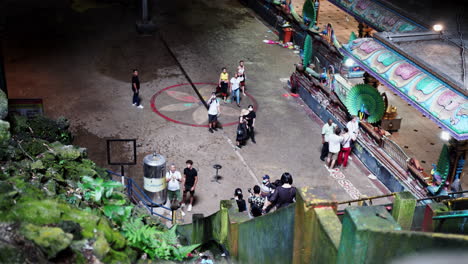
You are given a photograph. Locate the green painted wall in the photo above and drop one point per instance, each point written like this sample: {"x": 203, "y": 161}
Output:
{"x": 403, "y": 209}
{"x": 267, "y": 239}
{"x": 385, "y": 246}
{"x": 326, "y": 236}
{"x": 310, "y": 232}
{"x": 355, "y": 231}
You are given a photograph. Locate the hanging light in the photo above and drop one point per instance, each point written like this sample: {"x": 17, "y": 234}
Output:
{"x": 445, "y": 136}
{"x": 437, "y": 27}
{"x": 349, "y": 62}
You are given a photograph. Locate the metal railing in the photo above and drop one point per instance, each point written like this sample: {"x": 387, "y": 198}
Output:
{"x": 395, "y": 152}
{"x": 370, "y": 199}
{"x": 136, "y": 194}
{"x": 447, "y": 196}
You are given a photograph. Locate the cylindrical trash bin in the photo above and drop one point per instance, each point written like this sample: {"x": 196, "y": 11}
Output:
{"x": 287, "y": 35}
{"x": 154, "y": 178}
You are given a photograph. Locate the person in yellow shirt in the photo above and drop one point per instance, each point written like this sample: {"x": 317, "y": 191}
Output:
{"x": 224, "y": 83}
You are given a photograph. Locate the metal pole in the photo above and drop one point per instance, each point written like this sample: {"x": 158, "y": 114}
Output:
{"x": 174, "y": 217}
{"x": 144, "y": 11}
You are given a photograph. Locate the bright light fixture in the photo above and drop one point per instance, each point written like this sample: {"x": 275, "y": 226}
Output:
{"x": 438, "y": 27}
{"x": 349, "y": 62}
{"x": 445, "y": 136}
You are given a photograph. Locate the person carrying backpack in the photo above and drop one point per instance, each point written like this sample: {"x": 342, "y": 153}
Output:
{"x": 256, "y": 202}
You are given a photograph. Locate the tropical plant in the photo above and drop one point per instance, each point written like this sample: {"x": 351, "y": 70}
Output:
{"x": 97, "y": 189}
{"x": 157, "y": 244}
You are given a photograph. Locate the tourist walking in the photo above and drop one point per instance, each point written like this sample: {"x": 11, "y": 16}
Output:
{"x": 334, "y": 146}
{"x": 224, "y": 83}
{"x": 241, "y": 132}
{"x": 241, "y": 74}
{"x": 283, "y": 195}
{"x": 256, "y": 201}
{"x": 250, "y": 117}
{"x": 327, "y": 130}
{"x": 136, "y": 89}
{"x": 234, "y": 85}
{"x": 345, "y": 149}
{"x": 213, "y": 112}
{"x": 173, "y": 179}
{"x": 190, "y": 183}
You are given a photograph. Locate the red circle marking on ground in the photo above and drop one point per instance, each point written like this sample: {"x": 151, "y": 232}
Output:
{"x": 155, "y": 109}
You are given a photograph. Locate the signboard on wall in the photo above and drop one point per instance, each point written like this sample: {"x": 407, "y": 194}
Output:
{"x": 26, "y": 107}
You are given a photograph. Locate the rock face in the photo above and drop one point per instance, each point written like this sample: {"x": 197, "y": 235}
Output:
{"x": 3, "y": 105}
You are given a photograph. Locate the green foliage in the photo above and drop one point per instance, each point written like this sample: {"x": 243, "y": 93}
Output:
{"x": 62, "y": 200}
{"x": 155, "y": 243}
{"x": 118, "y": 213}
{"x": 97, "y": 189}
{"x": 4, "y": 132}
{"x": 3, "y": 105}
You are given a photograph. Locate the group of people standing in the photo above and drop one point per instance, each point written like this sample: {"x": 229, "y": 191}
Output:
{"x": 176, "y": 183}
{"x": 234, "y": 85}
{"x": 270, "y": 195}
{"x": 337, "y": 144}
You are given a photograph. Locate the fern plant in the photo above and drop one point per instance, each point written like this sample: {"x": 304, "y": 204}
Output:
{"x": 157, "y": 244}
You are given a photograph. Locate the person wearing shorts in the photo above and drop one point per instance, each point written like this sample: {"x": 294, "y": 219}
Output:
{"x": 190, "y": 182}
{"x": 334, "y": 146}
{"x": 173, "y": 179}
{"x": 224, "y": 83}
{"x": 241, "y": 74}
{"x": 213, "y": 112}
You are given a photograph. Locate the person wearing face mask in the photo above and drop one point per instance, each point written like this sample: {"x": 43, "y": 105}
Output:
{"x": 266, "y": 186}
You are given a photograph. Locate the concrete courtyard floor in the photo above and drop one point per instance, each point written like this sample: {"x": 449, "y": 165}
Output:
{"x": 80, "y": 64}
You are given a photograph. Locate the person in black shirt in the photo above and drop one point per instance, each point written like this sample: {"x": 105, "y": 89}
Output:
{"x": 239, "y": 197}
{"x": 251, "y": 122}
{"x": 283, "y": 195}
{"x": 136, "y": 89}
{"x": 190, "y": 182}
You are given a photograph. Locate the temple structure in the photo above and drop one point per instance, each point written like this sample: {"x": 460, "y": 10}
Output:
{"x": 415, "y": 133}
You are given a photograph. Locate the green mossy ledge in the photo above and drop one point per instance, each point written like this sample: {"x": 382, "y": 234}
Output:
{"x": 58, "y": 206}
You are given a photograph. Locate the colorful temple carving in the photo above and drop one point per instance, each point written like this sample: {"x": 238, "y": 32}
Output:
{"x": 378, "y": 16}
{"x": 429, "y": 95}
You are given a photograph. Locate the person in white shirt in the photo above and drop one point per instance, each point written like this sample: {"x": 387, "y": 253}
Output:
{"x": 213, "y": 112}
{"x": 345, "y": 149}
{"x": 353, "y": 127}
{"x": 334, "y": 146}
{"x": 327, "y": 130}
{"x": 241, "y": 74}
{"x": 173, "y": 179}
{"x": 235, "y": 85}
